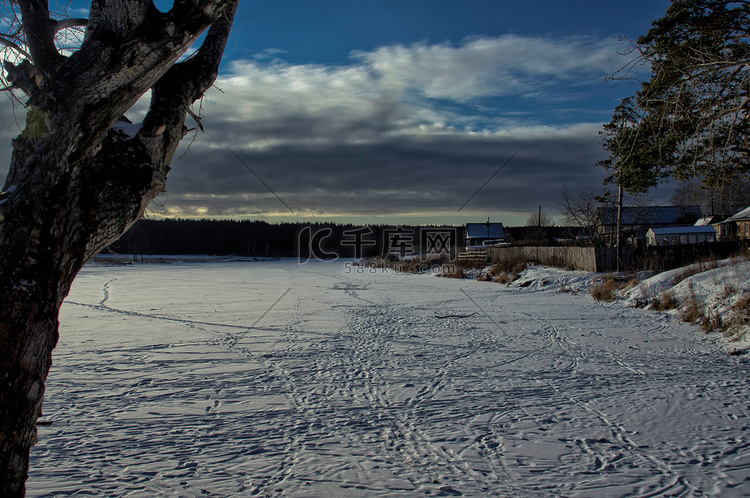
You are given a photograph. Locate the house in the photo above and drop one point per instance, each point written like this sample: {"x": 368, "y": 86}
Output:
{"x": 737, "y": 226}
{"x": 637, "y": 220}
{"x": 724, "y": 230}
{"x": 670, "y": 236}
{"x": 484, "y": 234}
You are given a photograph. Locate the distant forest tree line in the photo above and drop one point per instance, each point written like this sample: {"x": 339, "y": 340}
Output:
{"x": 252, "y": 238}
{"x": 262, "y": 239}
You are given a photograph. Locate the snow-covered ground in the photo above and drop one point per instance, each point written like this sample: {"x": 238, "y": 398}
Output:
{"x": 275, "y": 379}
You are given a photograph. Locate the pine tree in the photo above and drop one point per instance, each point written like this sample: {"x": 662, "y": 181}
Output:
{"x": 690, "y": 119}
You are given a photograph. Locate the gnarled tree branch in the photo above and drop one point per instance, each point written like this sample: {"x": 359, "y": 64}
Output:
{"x": 72, "y": 22}
{"x": 40, "y": 35}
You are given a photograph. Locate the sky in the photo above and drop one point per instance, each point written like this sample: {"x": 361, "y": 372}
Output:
{"x": 404, "y": 112}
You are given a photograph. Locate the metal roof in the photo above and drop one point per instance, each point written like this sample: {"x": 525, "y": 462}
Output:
{"x": 482, "y": 231}
{"x": 654, "y": 215}
{"x": 706, "y": 221}
{"x": 682, "y": 230}
{"x": 742, "y": 215}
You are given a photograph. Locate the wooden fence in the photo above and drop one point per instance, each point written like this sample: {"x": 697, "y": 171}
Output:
{"x": 604, "y": 259}
{"x": 578, "y": 258}
{"x": 667, "y": 257}
{"x": 479, "y": 256}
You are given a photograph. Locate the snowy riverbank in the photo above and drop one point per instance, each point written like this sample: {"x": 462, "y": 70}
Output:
{"x": 719, "y": 292}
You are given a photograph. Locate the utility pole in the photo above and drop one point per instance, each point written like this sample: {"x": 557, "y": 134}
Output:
{"x": 619, "y": 227}
{"x": 539, "y": 227}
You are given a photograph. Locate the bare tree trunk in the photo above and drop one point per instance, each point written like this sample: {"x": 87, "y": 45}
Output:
{"x": 78, "y": 180}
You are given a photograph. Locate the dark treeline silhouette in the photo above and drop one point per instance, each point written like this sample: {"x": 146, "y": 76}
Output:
{"x": 546, "y": 235}
{"x": 262, "y": 239}
{"x": 306, "y": 240}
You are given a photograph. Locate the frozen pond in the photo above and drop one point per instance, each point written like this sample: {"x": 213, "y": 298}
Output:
{"x": 275, "y": 379}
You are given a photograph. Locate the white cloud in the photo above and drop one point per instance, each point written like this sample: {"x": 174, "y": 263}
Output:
{"x": 406, "y": 90}
{"x": 480, "y": 67}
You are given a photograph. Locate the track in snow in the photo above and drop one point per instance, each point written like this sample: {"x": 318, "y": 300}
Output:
{"x": 216, "y": 379}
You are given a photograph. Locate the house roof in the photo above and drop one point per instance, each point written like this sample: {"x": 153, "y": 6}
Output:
{"x": 709, "y": 220}
{"x": 742, "y": 215}
{"x": 653, "y": 215}
{"x": 682, "y": 230}
{"x": 480, "y": 231}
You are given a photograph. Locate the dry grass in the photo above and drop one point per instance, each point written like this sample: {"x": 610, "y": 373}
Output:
{"x": 670, "y": 302}
{"x": 729, "y": 289}
{"x": 665, "y": 303}
{"x": 693, "y": 310}
{"x": 711, "y": 323}
{"x": 503, "y": 278}
{"x": 457, "y": 269}
{"x": 730, "y": 314}
{"x": 740, "y": 318}
{"x": 743, "y": 304}
{"x": 508, "y": 270}
{"x": 646, "y": 298}
{"x": 605, "y": 291}
{"x": 452, "y": 271}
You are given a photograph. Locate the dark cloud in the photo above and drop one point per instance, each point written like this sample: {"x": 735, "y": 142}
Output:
{"x": 402, "y": 131}
{"x": 403, "y": 175}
